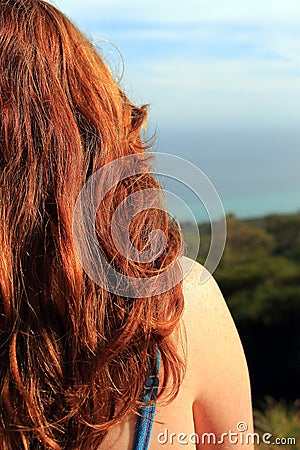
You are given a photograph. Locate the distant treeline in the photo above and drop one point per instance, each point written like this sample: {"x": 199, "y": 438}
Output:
{"x": 259, "y": 275}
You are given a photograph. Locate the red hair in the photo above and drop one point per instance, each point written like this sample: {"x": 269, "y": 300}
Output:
{"x": 74, "y": 357}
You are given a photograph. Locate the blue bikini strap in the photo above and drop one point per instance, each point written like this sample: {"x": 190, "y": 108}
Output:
{"x": 145, "y": 421}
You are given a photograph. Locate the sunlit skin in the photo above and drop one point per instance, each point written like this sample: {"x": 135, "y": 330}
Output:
{"x": 215, "y": 395}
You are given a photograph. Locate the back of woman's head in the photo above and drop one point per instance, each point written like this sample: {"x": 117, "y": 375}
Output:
{"x": 74, "y": 357}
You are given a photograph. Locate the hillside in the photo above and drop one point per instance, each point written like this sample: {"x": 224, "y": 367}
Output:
{"x": 259, "y": 276}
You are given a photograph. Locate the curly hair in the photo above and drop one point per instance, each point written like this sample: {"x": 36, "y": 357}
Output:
{"x": 74, "y": 357}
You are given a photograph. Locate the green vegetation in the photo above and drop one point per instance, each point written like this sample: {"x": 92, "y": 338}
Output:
{"x": 260, "y": 270}
{"x": 281, "y": 420}
{"x": 259, "y": 276}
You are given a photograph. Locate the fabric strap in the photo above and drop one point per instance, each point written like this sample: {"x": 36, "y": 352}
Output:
{"x": 145, "y": 421}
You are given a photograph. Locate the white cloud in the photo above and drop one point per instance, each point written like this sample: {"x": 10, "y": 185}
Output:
{"x": 189, "y": 11}
{"x": 228, "y": 93}
{"x": 262, "y": 88}
{"x": 179, "y": 34}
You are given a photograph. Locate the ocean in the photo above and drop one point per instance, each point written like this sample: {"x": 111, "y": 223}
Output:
{"x": 242, "y": 206}
{"x": 254, "y": 172}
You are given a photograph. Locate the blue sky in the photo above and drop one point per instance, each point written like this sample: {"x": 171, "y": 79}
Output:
{"x": 221, "y": 61}
{"x": 222, "y": 79}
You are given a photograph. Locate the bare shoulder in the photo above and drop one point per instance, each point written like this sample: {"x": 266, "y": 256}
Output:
{"x": 216, "y": 365}
{"x": 205, "y": 306}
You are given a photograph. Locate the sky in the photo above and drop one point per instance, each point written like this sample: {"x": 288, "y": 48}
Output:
{"x": 222, "y": 79}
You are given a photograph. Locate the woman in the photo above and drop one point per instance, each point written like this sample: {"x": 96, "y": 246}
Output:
{"x": 78, "y": 361}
